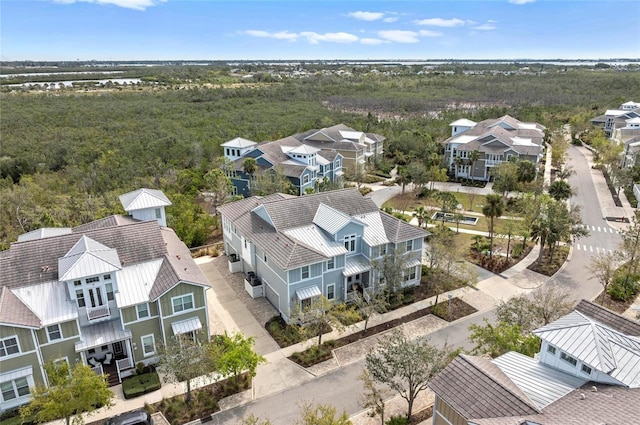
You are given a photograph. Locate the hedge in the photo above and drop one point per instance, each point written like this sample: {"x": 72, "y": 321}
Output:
{"x": 138, "y": 385}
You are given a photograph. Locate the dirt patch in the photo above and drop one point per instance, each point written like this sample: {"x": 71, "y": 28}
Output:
{"x": 421, "y": 416}
{"x": 614, "y": 305}
{"x": 547, "y": 266}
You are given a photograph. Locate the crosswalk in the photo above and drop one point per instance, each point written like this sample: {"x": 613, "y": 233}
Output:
{"x": 602, "y": 229}
{"x": 593, "y": 249}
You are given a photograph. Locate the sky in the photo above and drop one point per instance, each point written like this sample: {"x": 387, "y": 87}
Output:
{"x": 112, "y": 30}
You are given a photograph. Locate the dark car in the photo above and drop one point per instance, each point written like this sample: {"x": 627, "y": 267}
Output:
{"x": 135, "y": 417}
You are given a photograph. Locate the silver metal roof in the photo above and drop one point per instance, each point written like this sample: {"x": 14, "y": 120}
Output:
{"x": 87, "y": 258}
{"x": 44, "y": 232}
{"x": 330, "y": 219}
{"x": 374, "y": 233}
{"x": 356, "y": 264}
{"x": 188, "y": 325}
{"x": 48, "y": 301}
{"x": 309, "y": 292}
{"x": 135, "y": 282}
{"x": 102, "y": 334}
{"x": 542, "y": 384}
{"x": 314, "y": 238}
{"x": 238, "y": 142}
{"x": 144, "y": 198}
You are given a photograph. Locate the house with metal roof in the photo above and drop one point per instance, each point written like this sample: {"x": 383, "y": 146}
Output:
{"x": 304, "y": 166}
{"x": 587, "y": 372}
{"x": 102, "y": 294}
{"x": 497, "y": 141}
{"x": 616, "y": 118}
{"x": 298, "y": 248}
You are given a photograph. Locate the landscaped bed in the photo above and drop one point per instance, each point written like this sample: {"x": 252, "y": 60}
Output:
{"x": 549, "y": 268}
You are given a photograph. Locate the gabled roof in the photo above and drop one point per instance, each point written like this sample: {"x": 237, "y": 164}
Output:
{"x": 462, "y": 122}
{"x": 330, "y": 219}
{"x": 87, "y": 258}
{"x": 144, "y": 198}
{"x": 608, "y": 317}
{"x": 597, "y": 345}
{"x": 15, "y": 312}
{"x": 238, "y": 142}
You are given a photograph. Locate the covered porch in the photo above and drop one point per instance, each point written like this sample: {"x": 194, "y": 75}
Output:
{"x": 357, "y": 276}
{"x": 106, "y": 348}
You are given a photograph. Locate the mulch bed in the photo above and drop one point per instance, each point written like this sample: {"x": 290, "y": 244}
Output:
{"x": 421, "y": 416}
{"x": 614, "y": 305}
{"x": 550, "y": 268}
{"x": 498, "y": 264}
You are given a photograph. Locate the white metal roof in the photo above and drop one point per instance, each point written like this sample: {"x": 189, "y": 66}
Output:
{"x": 304, "y": 150}
{"x": 368, "y": 140}
{"x": 238, "y": 142}
{"x": 529, "y": 126}
{"x": 356, "y": 264}
{"x": 44, "y": 232}
{"x": 188, "y": 325}
{"x": 634, "y": 120}
{"x": 48, "y": 301}
{"x": 351, "y": 135}
{"x": 463, "y": 122}
{"x": 102, "y": 334}
{"x": 87, "y": 258}
{"x": 135, "y": 282}
{"x": 542, "y": 384}
{"x": 330, "y": 219}
{"x": 309, "y": 292}
{"x": 374, "y": 233}
{"x": 615, "y": 112}
{"x": 144, "y": 198}
{"x": 314, "y": 238}
{"x": 463, "y": 138}
{"x": 322, "y": 160}
{"x": 523, "y": 141}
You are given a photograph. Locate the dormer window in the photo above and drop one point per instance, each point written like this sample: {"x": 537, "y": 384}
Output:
{"x": 158, "y": 213}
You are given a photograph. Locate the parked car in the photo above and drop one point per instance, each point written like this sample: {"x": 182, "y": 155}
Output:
{"x": 135, "y": 417}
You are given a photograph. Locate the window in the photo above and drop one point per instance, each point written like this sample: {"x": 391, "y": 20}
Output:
{"x": 567, "y": 358}
{"x": 410, "y": 274}
{"x": 338, "y": 163}
{"x": 80, "y": 298}
{"x": 331, "y": 291}
{"x": 350, "y": 243}
{"x": 92, "y": 350}
{"x": 305, "y": 179}
{"x": 331, "y": 264}
{"x": 106, "y": 277}
{"x": 182, "y": 303}
{"x": 158, "y": 213}
{"x": 383, "y": 249}
{"x": 586, "y": 369}
{"x": 53, "y": 332}
{"x": 92, "y": 279}
{"x": 9, "y": 346}
{"x": 305, "y": 272}
{"x": 264, "y": 257}
{"x": 18, "y": 387}
{"x": 148, "y": 345}
{"x": 77, "y": 283}
{"x": 142, "y": 310}
{"x": 109, "y": 289}
{"x": 409, "y": 246}
{"x": 551, "y": 349}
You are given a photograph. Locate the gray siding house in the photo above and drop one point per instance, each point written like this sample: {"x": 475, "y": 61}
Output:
{"x": 102, "y": 294}
{"x": 497, "y": 141}
{"x": 299, "y": 248}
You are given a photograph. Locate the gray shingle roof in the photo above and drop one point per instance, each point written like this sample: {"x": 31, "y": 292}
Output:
{"x": 14, "y": 312}
{"x": 608, "y": 317}
{"x": 477, "y": 388}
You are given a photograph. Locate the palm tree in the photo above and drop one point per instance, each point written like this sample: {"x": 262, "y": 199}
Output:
{"x": 458, "y": 161}
{"x": 492, "y": 209}
{"x": 422, "y": 214}
{"x": 560, "y": 190}
{"x": 474, "y": 155}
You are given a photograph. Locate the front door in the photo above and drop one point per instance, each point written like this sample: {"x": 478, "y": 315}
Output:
{"x": 118, "y": 349}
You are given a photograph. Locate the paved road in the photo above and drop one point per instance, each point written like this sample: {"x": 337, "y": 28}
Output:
{"x": 338, "y": 388}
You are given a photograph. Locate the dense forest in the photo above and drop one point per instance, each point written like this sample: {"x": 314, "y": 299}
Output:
{"x": 65, "y": 155}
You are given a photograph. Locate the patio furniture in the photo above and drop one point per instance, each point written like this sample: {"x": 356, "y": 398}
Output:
{"x": 107, "y": 359}
{"x": 93, "y": 362}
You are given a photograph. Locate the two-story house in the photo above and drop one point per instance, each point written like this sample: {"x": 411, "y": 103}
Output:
{"x": 496, "y": 141}
{"x": 304, "y": 166}
{"x": 102, "y": 294}
{"x": 321, "y": 244}
{"x": 616, "y": 118}
{"x": 587, "y": 372}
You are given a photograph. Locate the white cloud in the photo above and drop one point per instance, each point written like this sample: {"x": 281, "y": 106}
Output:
{"x": 521, "y": 1}
{"x": 372, "y": 41}
{"x": 129, "y": 4}
{"x": 427, "y": 33}
{"x": 390, "y": 19}
{"x": 366, "y": 16}
{"x": 439, "y": 22}
{"x": 282, "y": 35}
{"x": 399, "y": 36}
{"x": 331, "y": 37}
{"x": 487, "y": 26}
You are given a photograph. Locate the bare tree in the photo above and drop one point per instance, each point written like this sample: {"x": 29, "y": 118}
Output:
{"x": 373, "y": 396}
{"x": 603, "y": 267}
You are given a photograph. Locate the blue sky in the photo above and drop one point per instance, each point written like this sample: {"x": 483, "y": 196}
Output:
{"x": 306, "y": 29}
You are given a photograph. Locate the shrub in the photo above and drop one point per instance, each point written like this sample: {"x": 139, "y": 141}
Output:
{"x": 397, "y": 420}
{"x": 284, "y": 335}
{"x": 364, "y": 190}
{"x": 12, "y": 417}
{"x": 139, "y": 368}
{"x": 621, "y": 291}
{"x": 140, "y": 384}
{"x": 346, "y": 314}
{"x": 315, "y": 354}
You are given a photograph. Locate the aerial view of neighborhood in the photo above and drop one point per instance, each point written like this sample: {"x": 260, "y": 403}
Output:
{"x": 319, "y": 212}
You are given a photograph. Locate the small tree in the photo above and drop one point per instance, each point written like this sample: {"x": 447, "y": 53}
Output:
{"x": 474, "y": 156}
{"x": 71, "y": 392}
{"x": 373, "y": 396}
{"x": 604, "y": 268}
{"x": 406, "y": 366}
{"x": 374, "y": 302}
{"x": 236, "y": 355}
{"x": 505, "y": 178}
{"x": 492, "y": 209}
{"x": 501, "y": 338}
{"x": 321, "y": 414}
{"x": 316, "y": 315}
{"x": 185, "y": 359}
{"x": 217, "y": 187}
{"x": 389, "y": 271}
{"x": 448, "y": 203}
{"x": 560, "y": 190}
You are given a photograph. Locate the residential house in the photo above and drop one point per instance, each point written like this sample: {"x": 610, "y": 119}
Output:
{"x": 356, "y": 147}
{"x": 587, "y": 372}
{"x": 102, "y": 294}
{"x": 496, "y": 140}
{"x": 298, "y": 248}
{"x": 616, "y": 118}
{"x": 304, "y": 166}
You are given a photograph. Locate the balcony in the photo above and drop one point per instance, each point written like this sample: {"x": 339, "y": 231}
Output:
{"x": 100, "y": 312}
